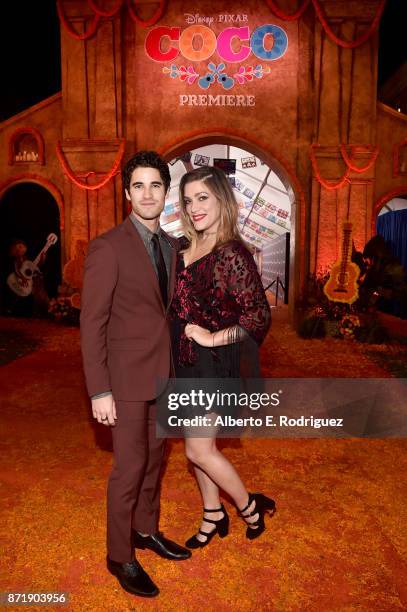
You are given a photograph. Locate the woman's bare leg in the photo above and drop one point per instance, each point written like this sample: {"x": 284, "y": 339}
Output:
{"x": 214, "y": 471}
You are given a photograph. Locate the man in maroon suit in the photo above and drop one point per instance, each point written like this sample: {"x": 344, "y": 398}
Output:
{"x": 128, "y": 283}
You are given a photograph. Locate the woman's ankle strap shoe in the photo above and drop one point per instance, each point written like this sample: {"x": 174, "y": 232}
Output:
{"x": 221, "y": 527}
{"x": 262, "y": 505}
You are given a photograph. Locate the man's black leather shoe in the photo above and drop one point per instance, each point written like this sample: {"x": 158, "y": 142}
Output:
{"x": 133, "y": 578}
{"x": 163, "y": 547}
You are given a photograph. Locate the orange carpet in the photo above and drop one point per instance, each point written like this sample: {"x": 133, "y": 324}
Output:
{"x": 336, "y": 543}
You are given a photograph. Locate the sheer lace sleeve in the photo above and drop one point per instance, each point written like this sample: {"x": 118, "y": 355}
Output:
{"x": 237, "y": 279}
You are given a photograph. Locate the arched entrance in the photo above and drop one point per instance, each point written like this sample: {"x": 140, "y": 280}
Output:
{"x": 389, "y": 219}
{"x": 268, "y": 193}
{"x": 389, "y": 223}
{"x": 29, "y": 212}
{"x": 392, "y": 225}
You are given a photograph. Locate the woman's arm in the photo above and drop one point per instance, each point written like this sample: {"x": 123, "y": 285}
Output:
{"x": 236, "y": 276}
{"x": 204, "y": 337}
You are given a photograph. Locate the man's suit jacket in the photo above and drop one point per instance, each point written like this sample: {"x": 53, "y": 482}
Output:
{"x": 124, "y": 331}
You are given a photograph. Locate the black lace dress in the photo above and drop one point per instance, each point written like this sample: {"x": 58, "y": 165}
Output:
{"x": 221, "y": 290}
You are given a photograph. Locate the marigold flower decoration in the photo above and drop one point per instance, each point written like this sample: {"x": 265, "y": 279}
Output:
{"x": 62, "y": 310}
{"x": 348, "y": 325}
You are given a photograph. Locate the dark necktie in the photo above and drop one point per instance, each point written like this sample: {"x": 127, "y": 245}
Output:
{"x": 161, "y": 268}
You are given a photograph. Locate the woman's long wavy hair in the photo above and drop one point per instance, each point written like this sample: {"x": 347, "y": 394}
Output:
{"x": 217, "y": 182}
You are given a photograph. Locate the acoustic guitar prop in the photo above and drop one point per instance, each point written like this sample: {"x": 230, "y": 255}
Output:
{"x": 342, "y": 285}
{"x": 21, "y": 282}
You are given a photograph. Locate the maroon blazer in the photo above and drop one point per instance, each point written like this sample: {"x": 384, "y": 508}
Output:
{"x": 125, "y": 337}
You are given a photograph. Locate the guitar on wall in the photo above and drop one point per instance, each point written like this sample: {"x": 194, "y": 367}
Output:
{"x": 21, "y": 282}
{"x": 342, "y": 285}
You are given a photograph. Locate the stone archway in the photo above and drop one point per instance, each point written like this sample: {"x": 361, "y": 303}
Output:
{"x": 382, "y": 201}
{"x": 29, "y": 212}
{"x": 390, "y": 221}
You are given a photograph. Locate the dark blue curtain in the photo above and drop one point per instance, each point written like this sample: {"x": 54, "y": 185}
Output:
{"x": 393, "y": 227}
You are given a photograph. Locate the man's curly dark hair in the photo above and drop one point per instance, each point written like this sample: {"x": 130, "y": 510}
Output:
{"x": 146, "y": 159}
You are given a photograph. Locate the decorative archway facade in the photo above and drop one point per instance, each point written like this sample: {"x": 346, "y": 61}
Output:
{"x": 293, "y": 82}
{"x": 39, "y": 180}
{"x": 51, "y": 188}
{"x": 378, "y": 205}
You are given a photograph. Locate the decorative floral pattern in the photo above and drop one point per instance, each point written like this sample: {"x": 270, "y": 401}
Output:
{"x": 247, "y": 73}
{"x": 216, "y": 74}
{"x": 184, "y": 73}
{"x": 222, "y": 289}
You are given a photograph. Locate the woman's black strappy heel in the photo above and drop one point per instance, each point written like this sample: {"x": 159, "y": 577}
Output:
{"x": 221, "y": 527}
{"x": 263, "y": 504}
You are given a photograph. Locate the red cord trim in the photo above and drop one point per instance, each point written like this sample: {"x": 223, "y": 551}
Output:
{"x": 344, "y": 43}
{"x": 324, "y": 22}
{"x": 87, "y": 33}
{"x": 348, "y": 158}
{"x": 81, "y": 184}
{"x": 329, "y": 185}
{"x": 92, "y": 4}
{"x": 146, "y": 23}
{"x": 293, "y": 17}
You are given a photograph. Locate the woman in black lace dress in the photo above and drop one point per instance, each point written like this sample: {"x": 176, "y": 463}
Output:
{"x": 219, "y": 310}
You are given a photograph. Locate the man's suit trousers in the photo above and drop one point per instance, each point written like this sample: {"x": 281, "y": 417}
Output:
{"x": 133, "y": 494}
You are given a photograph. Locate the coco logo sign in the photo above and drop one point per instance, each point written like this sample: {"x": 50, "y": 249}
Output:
{"x": 198, "y": 43}
{"x": 206, "y": 39}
